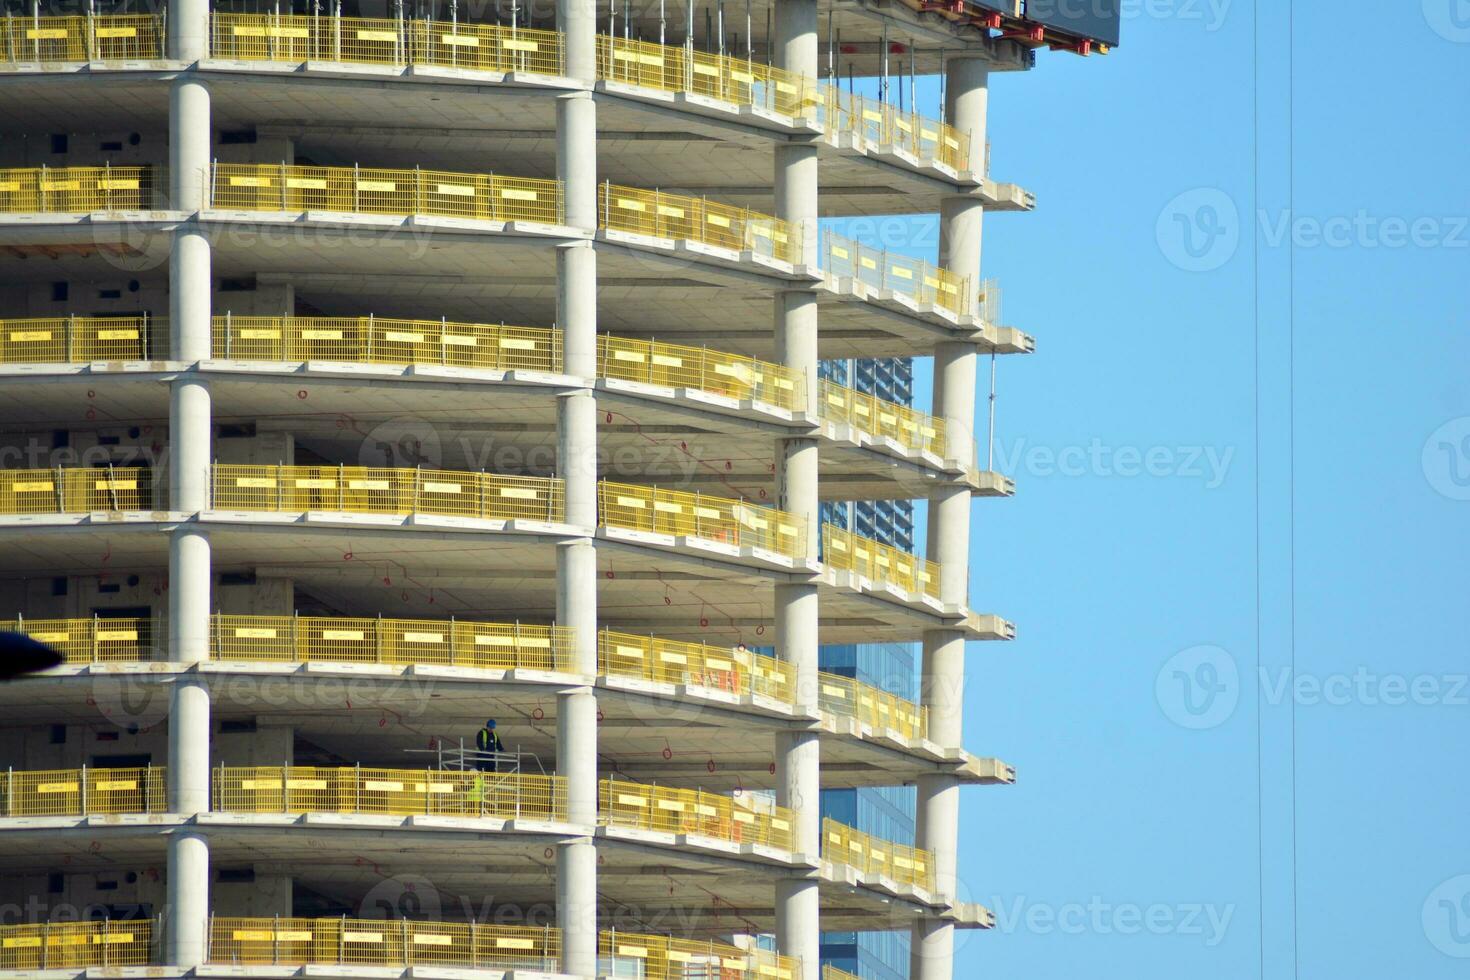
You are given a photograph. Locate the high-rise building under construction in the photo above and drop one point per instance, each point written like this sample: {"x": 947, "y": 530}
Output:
{"x": 375, "y": 372}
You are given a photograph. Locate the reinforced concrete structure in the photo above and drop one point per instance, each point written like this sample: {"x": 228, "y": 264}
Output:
{"x": 372, "y": 372}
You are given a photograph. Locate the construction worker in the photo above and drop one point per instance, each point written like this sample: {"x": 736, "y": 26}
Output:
{"x": 487, "y": 741}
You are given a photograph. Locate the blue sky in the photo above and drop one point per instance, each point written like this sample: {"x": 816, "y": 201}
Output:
{"x": 1234, "y": 451}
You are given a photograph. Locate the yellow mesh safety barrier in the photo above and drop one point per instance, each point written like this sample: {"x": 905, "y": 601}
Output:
{"x": 847, "y": 698}
{"x": 734, "y": 80}
{"x": 71, "y": 339}
{"x": 363, "y": 190}
{"x": 881, "y": 269}
{"x": 74, "y": 792}
{"x": 488, "y": 47}
{"x": 375, "y": 340}
{"x": 75, "y": 491}
{"x": 910, "y": 429}
{"x": 735, "y": 522}
{"x": 67, "y": 945}
{"x": 94, "y": 641}
{"x": 830, "y": 972}
{"x": 396, "y": 792}
{"x": 887, "y": 125}
{"x": 368, "y": 490}
{"x": 736, "y": 671}
{"x": 988, "y": 308}
{"x": 870, "y": 855}
{"x": 383, "y": 942}
{"x": 880, "y": 563}
{"x": 691, "y": 811}
{"x": 308, "y": 639}
{"x": 665, "y": 958}
{"x": 109, "y": 37}
{"x": 682, "y": 218}
{"x": 77, "y": 189}
{"x": 676, "y": 366}
{"x": 382, "y": 41}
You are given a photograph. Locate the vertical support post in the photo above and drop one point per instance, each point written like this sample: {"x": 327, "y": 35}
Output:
{"x": 943, "y": 674}
{"x": 576, "y": 559}
{"x": 189, "y": 437}
{"x": 798, "y": 774}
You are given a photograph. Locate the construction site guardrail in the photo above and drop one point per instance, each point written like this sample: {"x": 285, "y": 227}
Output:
{"x": 372, "y": 490}
{"x": 466, "y": 643}
{"x": 880, "y": 563}
{"x": 667, "y": 68}
{"x": 97, "y": 640}
{"x": 830, "y": 972}
{"x": 870, "y": 855}
{"x": 658, "y": 214}
{"x": 112, "y": 37}
{"x": 699, "y": 515}
{"x": 75, "y": 792}
{"x": 644, "y": 806}
{"x": 379, "y": 340}
{"x": 76, "y": 490}
{"x": 81, "y": 190}
{"x": 884, "y": 270}
{"x": 79, "y": 339}
{"x": 393, "y": 792}
{"x": 489, "y": 47}
{"x": 72, "y": 945}
{"x": 374, "y": 190}
{"x": 909, "y": 428}
{"x": 446, "y": 643}
{"x": 677, "y": 366}
{"x": 473, "y": 945}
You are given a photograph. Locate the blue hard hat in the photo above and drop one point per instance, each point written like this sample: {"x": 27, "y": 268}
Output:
{"x": 490, "y": 723}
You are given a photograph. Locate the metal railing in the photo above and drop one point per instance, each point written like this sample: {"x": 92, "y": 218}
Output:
{"x": 666, "y": 958}
{"x": 75, "y": 792}
{"x": 909, "y": 428}
{"x": 848, "y": 698}
{"x": 78, "y": 190}
{"x": 450, "y": 643}
{"x": 370, "y": 490}
{"x": 675, "y": 366}
{"x": 383, "y": 942}
{"x": 365, "y": 190}
{"x": 668, "y": 68}
{"x": 75, "y": 491}
{"x": 77, "y": 339}
{"x": 70, "y": 945}
{"x": 394, "y": 792}
{"x": 691, "y": 811}
{"x": 830, "y": 972}
{"x": 881, "y": 269}
{"x": 736, "y": 522}
{"x": 696, "y": 219}
{"x": 880, "y": 563}
{"x": 870, "y": 855}
{"x": 95, "y": 640}
{"x": 378, "y": 340}
{"x": 736, "y": 671}
{"x": 473, "y": 945}
{"x": 111, "y": 37}
{"x": 385, "y": 41}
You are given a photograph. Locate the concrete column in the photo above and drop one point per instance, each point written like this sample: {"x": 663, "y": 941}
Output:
{"x": 190, "y": 424}
{"x": 943, "y": 673}
{"x": 576, "y": 560}
{"x": 187, "y": 916}
{"x": 798, "y": 756}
